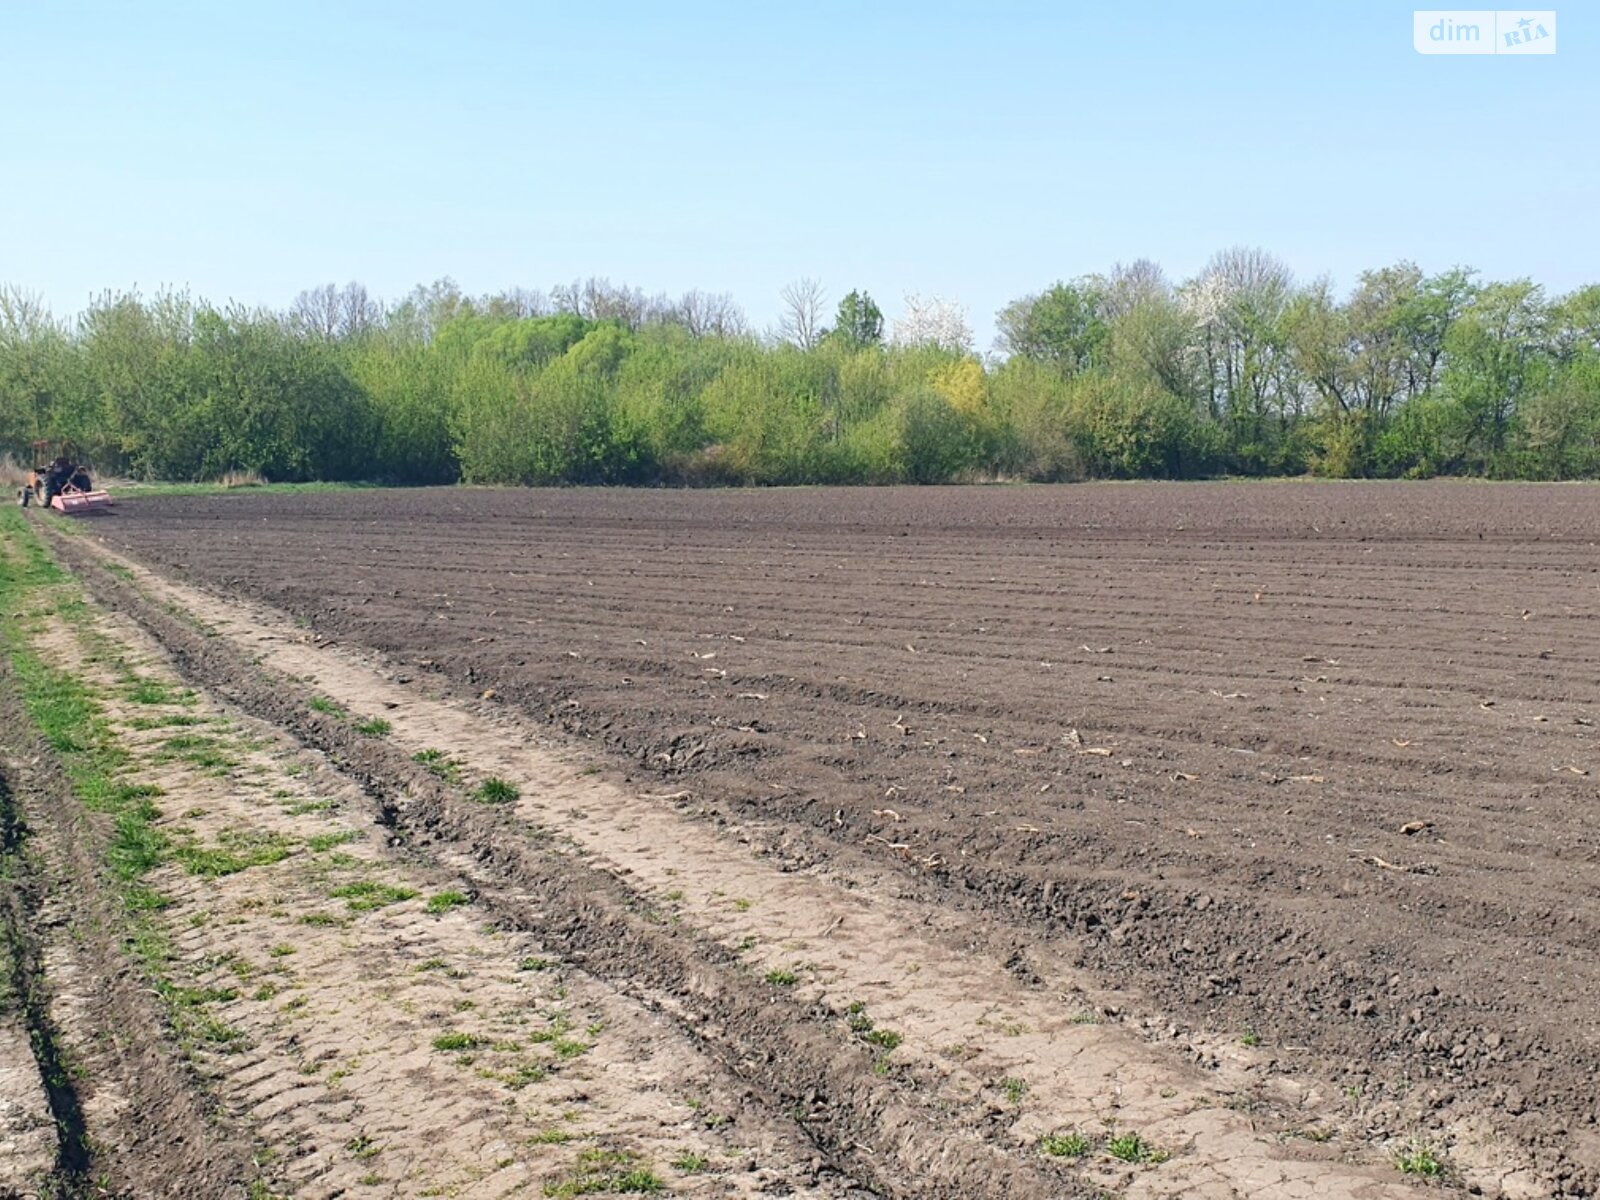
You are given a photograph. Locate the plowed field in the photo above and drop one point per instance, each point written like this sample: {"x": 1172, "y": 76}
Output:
{"x": 1304, "y": 776}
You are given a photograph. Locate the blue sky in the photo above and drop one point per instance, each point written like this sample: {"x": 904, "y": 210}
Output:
{"x": 978, "y": 151}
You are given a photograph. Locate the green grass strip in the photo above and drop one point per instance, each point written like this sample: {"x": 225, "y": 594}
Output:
{"x": 72, "y": 722}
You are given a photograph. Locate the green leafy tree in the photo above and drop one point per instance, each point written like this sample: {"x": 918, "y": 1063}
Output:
{"x": 534, "y": 341}
{"x": 1153, "y": 339}
{"x": 140, "y": 370}
{"x": 1061, "y": 325}
{"x": 42, "y": 391}
{"x": 1034, "y": 440}
{"x": 1427, "y": 320}
{"x": 936, "y": 439}
{"x": 1496, "y": 353}
{"x": 408, "y": 386}
{"x": 859, "y": 322}
{"x": 549, "y": 426}
{"x": 1575, "y": 325}
{"x": 1241, "y": 307}
{"x": 1128, "y": 431}
{"x": 1557, "y": 434}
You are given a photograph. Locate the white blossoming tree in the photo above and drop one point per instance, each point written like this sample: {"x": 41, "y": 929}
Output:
{"x": 933, "y": 321}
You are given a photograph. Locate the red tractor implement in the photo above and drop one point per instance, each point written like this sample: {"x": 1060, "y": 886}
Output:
{"x": 62, "y": 483}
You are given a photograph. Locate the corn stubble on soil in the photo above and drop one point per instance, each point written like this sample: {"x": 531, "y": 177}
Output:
{"x": 1128, "y": 840}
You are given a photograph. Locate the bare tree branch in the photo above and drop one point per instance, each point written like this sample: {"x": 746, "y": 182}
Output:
{"x": 801, "y": 321}
{"x": 708, "y": 314}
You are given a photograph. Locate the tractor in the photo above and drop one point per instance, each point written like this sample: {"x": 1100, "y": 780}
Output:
{"x": 61, "y": 483}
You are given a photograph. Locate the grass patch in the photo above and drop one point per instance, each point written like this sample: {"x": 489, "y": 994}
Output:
{"x": 327, "y": 841}
{"x": 707, "y": 1118}
{"x": 519, "y": 1077}
{"x": 1312, "y": 1133}
{"x": 367, "y": 894}
{"x": 236, "y": 850}
{"x": 690, "y": 1163}
{"x": 439, "y": 763}
{"x": 782, "y": 977}
{"x": 495, "y": 790}
{"x": 445, "y": 901}
{"x": 191, "y": 1015}
{"x": 167, "y": 721}
{"x": 1420, "y": 1160}
{"x": 560, "y": 1023}
{"x": 149, "y": 691}
{"x": 322, "y": 920}
{"x": 1014, "y": 1088}
{"x": 866, "y": 1029}
{"x": 137, "y": 846}
{"x": 459, "y": 1041}
{"x": 198, "y": 750}
{"x": 328, "y": 708}
{"x": 1065, "y": 1145}
{"x": 139, "y": 490}
{"x": 1132, "y": 1148}
{"x": 606, "y": 1172}
{"x": 374, "y": 727}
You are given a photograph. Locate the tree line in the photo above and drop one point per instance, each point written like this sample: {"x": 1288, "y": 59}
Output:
{"x": 1125, "y": 374}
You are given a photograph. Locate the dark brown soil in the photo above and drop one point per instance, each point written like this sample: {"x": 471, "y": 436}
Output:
{"x": 1190, "y": 724}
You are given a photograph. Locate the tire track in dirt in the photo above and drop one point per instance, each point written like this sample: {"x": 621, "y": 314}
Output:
{"x": 1027, "y": 1062}
{"x": 376, "y": 1041}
